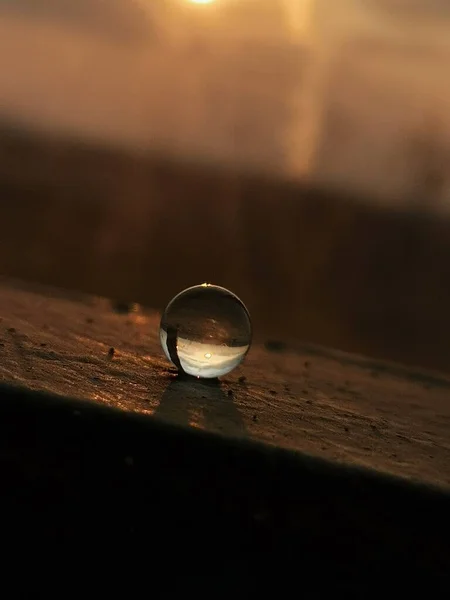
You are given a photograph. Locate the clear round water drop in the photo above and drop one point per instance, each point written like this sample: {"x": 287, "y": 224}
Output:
{"x": 206, "y": 331}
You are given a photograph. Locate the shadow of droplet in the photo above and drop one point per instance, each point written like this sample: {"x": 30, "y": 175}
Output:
{"x": 187, "y": 399}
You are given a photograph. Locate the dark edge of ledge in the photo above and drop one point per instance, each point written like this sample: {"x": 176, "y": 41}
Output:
{"x": 82, "y": 475}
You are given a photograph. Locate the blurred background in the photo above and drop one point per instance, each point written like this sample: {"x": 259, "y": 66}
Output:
{"x": 296, "y": 151}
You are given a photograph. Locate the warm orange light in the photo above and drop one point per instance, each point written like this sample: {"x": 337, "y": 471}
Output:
{"x": 201, "y": 1}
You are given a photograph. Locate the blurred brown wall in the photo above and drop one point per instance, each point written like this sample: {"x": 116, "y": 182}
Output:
{"x": 311, "y": 266}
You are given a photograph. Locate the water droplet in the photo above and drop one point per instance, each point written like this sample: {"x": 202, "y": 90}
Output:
{"x": 206, "y": 331}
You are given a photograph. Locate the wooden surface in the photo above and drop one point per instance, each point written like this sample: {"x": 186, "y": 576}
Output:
{"x": 337, "y": 406}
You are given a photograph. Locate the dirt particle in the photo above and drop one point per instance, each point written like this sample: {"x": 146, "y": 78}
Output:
{"x": 122, "y": 308}
{"x": 230, "y": 392}
{"x": 43, "y": 344}
{"x": 111, "y": 352}
{"x": 255, "y": 418}
{"x": 275, "y": 346}
{"x": 307, "y": 364}
{"x": 89, "y": 320}
{"x": 273, "y": 392}
{"x": 308, "y": 401}
{"x": 11, "y": 330}
{"x": 346, "y": 429}
{"x": 242, "y": 379}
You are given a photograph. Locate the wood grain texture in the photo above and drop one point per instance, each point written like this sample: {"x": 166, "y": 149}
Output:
{"x": 334, "y": 405}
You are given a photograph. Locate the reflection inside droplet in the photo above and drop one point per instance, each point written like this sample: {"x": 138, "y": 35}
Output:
{"x": 206, "y": 331}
